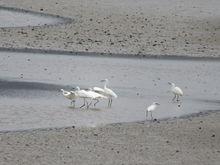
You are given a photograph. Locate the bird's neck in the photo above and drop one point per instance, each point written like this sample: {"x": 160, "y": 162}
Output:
{"x": 173, "y": 86}
{"x": 105, "y": 85}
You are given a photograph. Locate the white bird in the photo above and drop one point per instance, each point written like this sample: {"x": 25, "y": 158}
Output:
{"x": 176, "y": 91}
{"x": 83, "y": 94}
{"x": 95, "y": 96}
{"x": 106, "y": 92}
{"x": 70, "y": 95}
{"x": 151, "y": 108}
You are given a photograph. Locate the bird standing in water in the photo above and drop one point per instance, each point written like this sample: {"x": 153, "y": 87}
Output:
{"x": 106, "y": 92}
{"x": 70, "y": 95}
{"x": 151, "y": 108}
{"x": 176, "y": 91}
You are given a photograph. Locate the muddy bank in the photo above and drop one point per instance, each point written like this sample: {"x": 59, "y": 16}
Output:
{"x": 162, "y": 27}
{"x": 183, "y": 141}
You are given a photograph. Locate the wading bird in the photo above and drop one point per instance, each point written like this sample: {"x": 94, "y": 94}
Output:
{"x": 151, "y": 108}
{"x": 106, "y": 92}
{"x": 95, "y": 96}
{"x": 176, "y": 91}
{"x": 84, "y": 95}
{"x": 70, "y": 95}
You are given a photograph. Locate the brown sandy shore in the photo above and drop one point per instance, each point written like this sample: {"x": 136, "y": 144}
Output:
{"x": 144, "y": 27}
{"x": 192, "y": 140}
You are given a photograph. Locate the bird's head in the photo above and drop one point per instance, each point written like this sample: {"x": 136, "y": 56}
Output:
{"x": 170, "y": 83}
{"x": 104, "y": 80}
{"x": 77, "y": 88}
{"x": 156, "y": 103}
{"x": 61, "y": 90}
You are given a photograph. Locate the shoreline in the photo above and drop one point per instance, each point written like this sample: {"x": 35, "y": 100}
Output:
{"x": 177, "y": 141}
{"x": 108, "y": 55}
{"x": 146, "y": 122}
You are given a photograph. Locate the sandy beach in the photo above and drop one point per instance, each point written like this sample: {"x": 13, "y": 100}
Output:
{"x": 189, "y": 28}
{"x": 191, "y": 140}
{"x": 143, "y": 27}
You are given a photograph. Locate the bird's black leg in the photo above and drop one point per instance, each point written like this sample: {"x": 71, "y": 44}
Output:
{"x": 108, "y": 102}
{"x": 96, "y": 102}
{"x": 174, "y": 97}
{"x": 151, "y": 115}
{"x": 90, "y": 103}
{"x": 177, "y": 99}
{"x": 84, "y": 103}
{"x": 146, "y": 114}
{"x": 87, "y": 105}
{"x": 73, "y": 103}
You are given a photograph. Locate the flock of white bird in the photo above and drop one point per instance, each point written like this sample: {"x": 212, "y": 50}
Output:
{"x": 96, "y": 94}
{"x": 90, "y": 95}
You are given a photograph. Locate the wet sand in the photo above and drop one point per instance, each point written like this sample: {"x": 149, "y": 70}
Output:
{"x": 144, "y": 27}
{"x": 30, "y": 89}
{"x": 194, "y": 140}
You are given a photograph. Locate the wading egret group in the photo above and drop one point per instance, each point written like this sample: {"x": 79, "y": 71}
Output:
{"x": 88, "y": 95}
{"x": 97, "y": 93}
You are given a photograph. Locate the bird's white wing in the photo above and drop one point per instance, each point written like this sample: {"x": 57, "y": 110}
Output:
{"x": 110, "y": 93}
{"x": 178, "y": 90}
{"x": 96, "y": 95}
{"x": 83, "y": 94}
{"x": 151, "y": 108}
{"x": 99, "y": 90}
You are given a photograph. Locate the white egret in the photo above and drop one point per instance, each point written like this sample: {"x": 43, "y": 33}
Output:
{"x": 83, "y": 94}
{"x": 106, "y": 92}
{"x": 70, "y": 95}
{"x": 95, "y": 96}
{"x": 176, "y": 91}
{"x": 151, "y": 108}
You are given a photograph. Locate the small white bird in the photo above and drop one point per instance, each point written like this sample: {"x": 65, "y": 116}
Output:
{"x": 106, "y": 92}
{"x": 151, "y": 108}
{"x": 70, "y": 95}
{"x": 176, "y": 91}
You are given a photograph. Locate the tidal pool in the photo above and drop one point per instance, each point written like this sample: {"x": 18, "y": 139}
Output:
{"x": 30, "y": 84}
{"x": 10, "y": 17}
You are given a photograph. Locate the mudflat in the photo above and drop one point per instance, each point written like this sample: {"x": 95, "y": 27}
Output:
{"x": 141, "y": 28}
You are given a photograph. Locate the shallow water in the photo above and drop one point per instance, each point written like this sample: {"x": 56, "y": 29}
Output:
{"x": 30, "y": 85}
{"x": 16, "y": 18}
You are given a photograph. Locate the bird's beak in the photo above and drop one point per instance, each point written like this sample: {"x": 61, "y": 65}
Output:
{"x": 170, "y": 83}
{"x": 102, "y": 81}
